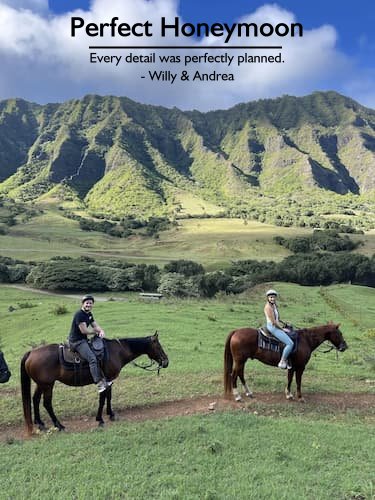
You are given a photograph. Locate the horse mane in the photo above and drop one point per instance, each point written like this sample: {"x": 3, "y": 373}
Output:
{"x": 136, "y": 340}
{"x": 318, "y": 329}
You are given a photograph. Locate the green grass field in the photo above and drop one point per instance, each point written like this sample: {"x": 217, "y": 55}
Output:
{"x": 283, "y": 451}
{"x": 259, "y": 451}
{"x": 219, "y": 456}
{"x": 212, "y": 242}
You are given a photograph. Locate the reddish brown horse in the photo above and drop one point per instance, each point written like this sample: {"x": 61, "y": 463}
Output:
{"x": 44, "y": 367}
{"x": 242, "y": 344}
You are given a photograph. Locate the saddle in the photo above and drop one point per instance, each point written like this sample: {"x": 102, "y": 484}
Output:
{"x": 71, "y": 360}
{"x": 269, "y": 342}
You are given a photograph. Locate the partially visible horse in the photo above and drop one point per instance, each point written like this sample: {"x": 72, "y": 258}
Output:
{"x": 43, "y": 365}
{"x": 242, "y": 344}
{"x": 4, "y": 370}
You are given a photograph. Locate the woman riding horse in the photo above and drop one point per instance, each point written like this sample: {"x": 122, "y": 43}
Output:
{"x": 278, "y": 328}
{"x": 242, "y": 344}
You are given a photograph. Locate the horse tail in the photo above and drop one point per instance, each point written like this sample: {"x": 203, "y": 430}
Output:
{"x": 228, "y": 365}
{"x": 26, "y": 395}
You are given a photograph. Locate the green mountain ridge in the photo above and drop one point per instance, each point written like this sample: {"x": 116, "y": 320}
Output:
{"x": 120, "y": 157}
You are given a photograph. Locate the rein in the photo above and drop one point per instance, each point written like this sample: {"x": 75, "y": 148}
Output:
{"x": 149, "y": 368}
{"x": 330, "y": 348}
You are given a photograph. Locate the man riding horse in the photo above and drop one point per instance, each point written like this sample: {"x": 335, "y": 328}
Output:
{"x": 78, "y": 339}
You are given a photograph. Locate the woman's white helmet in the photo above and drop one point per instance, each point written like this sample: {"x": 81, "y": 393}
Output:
{"x": 271, "y": 292}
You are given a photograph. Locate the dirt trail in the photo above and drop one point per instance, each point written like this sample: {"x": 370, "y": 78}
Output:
{"x": 53, "y": 294}
{"x": 340, "y": 403}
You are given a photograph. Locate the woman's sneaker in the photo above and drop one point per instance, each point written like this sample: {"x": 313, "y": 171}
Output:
{"x": 282, "y": 364}
{"x": 101, "y": 385}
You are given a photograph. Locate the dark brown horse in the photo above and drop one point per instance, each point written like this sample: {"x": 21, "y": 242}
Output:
{"x": 43, "y": 366}
{"x": 242, "y": 344}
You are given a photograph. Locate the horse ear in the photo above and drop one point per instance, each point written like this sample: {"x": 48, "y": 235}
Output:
{"x": 156, "y": 334}
{"x": 338, "y": 325}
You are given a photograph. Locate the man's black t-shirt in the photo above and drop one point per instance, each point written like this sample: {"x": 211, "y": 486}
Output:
{"x": 80, "y": 317}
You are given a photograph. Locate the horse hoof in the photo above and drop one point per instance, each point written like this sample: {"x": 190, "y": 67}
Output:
{"x": 238, "y": 398}
{"x": 289, "y": 397}
{"x": 249, "y": 394}
{"x": 301, "y": 400}
{"x": 112, "y": 418}
{"x": 101, "y": 424}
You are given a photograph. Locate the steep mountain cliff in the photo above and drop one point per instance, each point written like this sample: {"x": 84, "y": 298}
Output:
{"x": 121, "y": 157}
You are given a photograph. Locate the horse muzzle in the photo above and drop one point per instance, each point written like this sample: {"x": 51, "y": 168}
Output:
{"x": 4, "y": 376}
{"x": 164, "y": 363}
{"x": 342, "y": 347}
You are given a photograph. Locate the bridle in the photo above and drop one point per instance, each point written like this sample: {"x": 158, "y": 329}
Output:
{"x": 149, "y": 368}
{"x": 330, "y": 348}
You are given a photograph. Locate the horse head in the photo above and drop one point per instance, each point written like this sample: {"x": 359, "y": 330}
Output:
{"x": 156, "y": 351}
{"x": 336, "y": 338}
{"x": 4, "y": 370}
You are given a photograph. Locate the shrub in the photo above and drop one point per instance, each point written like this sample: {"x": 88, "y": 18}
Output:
{"x": 66, "y": 275}
{"x": 178, "y": 285}
{"x": 26, "y": 305}
{"x": 185, "y": 267}
{"x": 59, "y": 310}
{"x": 18, "y": 273}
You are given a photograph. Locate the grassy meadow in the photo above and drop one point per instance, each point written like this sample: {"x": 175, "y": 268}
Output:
{"x": 218, "y": 456}
{"x": 258, "y": 451}
{"x": 212, "y": 242}
{"x": 285, "y": 450}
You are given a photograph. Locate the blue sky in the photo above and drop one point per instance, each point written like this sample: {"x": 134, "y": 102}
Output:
{"x": 42, "y": 63}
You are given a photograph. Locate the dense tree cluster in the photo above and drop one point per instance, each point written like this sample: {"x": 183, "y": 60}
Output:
{"x": 320, "y": 240}
{"x": 122, "y": 228}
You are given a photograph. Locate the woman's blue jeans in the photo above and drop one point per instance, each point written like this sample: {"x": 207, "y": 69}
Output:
{"x": 284, "y": 338}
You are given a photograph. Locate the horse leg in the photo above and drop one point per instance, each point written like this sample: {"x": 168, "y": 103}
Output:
{"x": 299, "y": 382}
{"x": 36, "y": 401}
{"x": 47, "y": 403}
{"x": 99, "y": 415}
{"x": 288, "y": 393}
{"x": 241, "y": 370}
{"x": 110, "y": 412}
{"x": 235, "y": 373}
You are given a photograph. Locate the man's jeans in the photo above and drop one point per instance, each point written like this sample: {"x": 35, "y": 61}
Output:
{"x": 83, "y": 348}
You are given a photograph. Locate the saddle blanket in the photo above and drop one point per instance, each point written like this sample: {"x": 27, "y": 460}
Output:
{"x": 268, "y": 342}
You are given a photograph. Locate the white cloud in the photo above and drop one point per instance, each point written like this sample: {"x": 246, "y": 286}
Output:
{"x": 41, "y": 61}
